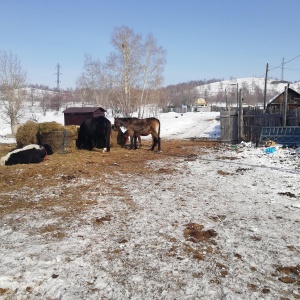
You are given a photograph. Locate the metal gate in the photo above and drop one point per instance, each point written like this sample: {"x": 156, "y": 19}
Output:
{"x": 287, "y": 136}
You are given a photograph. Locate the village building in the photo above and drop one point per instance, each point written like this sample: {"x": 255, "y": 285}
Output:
{"x": 276, "y": 104}
{"x": 77, "y": 115}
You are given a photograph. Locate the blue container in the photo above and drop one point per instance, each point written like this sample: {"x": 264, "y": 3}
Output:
{"x": 270, "y": 150}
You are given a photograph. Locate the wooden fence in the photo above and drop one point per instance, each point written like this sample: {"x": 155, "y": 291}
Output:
{"x": 253, "y": 120}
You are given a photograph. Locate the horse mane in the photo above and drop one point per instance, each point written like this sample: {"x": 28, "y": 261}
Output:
{"x": 126, "y": 119}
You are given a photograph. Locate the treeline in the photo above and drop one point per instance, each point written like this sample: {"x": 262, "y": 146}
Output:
{"x": 184, "y": 93}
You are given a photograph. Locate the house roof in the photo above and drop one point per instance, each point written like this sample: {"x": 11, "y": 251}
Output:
{"x": 71, "y": 110}
{"x": 275, "y": 97}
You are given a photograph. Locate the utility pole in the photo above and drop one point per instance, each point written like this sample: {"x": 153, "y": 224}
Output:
{"x": 57, "y": 76}
{"x": 240, "y": 117}
{"x": 285, "y": 104}
{"x": 237, "y": 95}
{"x": 265, "y": 92}
{"x": 282, "y": 68}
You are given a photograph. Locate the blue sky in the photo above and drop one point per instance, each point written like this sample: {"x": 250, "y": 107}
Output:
{"x": 204, "y": 39}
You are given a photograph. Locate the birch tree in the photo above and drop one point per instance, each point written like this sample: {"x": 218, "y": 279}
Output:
{"x": 124, "y": 68}
{"x": 12, "y": 80}
{"x": 135, "y": 68}
{"x": 152, "y": 67}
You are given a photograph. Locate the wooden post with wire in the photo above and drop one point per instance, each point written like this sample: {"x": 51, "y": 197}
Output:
{"x": 265, "y": 92}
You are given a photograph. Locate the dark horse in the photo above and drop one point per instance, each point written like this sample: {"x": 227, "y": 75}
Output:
{"x": 94, "y": 132}
{"x": 141, "y": 127}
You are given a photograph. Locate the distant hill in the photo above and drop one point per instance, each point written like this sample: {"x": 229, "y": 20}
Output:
{"x": 252, "y": 89}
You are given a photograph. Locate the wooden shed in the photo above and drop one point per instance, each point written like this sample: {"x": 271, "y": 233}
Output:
{"x": 77, "y": 115}
{"x": 276, "y": 103}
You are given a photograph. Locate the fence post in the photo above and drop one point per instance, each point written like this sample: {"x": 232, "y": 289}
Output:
{"x": 285, "y": 105}
{"x": 240, "y": 116}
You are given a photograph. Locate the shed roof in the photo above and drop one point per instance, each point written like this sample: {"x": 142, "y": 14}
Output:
{"x": 71, "y": 110}
{"x": 273, "y": 100}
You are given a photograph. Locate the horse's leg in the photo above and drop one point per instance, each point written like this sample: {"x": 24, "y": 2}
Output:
{"x": 134, "y": 140}
{"x": 154, "y": 142}
{"x": 107, "y": 139}
{"x": 140, "y": 140}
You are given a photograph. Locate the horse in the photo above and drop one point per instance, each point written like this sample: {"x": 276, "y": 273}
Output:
{"x": 123, "y": 138}
{"x": 141, "y": 127}
{"x": 94, "y": 132}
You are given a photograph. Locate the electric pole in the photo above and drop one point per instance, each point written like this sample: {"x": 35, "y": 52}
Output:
{"x": 282, "y": 68}
{"x": 265, "y": 92}
{"x": 57, "y": 76}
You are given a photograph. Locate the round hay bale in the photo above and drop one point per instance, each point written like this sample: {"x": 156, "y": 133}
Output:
{"x": 27, "y": 134}
{"x": 61, "y": 138}
{"x": 47, "y": 127}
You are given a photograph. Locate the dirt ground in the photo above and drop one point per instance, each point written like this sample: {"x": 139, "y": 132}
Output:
{"x": 235, "y": 246}
{"x": 82, "y": 164}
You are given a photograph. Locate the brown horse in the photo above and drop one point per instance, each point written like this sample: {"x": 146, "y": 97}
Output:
{"x": 123, "y": 138}
{"x": 142, "y": 127}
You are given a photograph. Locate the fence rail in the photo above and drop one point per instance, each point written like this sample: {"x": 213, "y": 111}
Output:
{"x": 254, "y": 119}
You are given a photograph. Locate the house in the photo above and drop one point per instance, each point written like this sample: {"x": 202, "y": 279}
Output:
{"x": 276, "y": 103}
{"x": 77, "y": 115}
{"x": 200, "y": 104}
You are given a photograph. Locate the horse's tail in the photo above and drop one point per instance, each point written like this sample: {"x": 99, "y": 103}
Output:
{"x": 158, "y": 136}
{"x": 158, "y": 128}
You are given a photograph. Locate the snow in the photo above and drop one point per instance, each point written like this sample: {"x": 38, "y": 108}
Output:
{"x": 249, "y": 198}
{"x": 251, "y": 83}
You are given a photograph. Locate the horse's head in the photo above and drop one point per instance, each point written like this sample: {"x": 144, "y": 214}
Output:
{"x": 117, "y": 124}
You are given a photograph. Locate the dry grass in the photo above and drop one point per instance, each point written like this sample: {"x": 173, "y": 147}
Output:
{"x": 58, "y": 184}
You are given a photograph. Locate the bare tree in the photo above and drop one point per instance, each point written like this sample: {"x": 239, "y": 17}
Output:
{"x": 93, "y": 82}
{"x": 135, "y": 69}
{"x": 12, "y": 79}
{"x": 124, "y": 68}
{"x": 152, "y": 66}
{"x": 45, "y": 104}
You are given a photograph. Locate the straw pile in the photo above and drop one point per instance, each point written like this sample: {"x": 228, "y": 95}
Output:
{"x": 27, "y": 134}
{"x": 60, "y": 138}
{"x": 113, "y": 138}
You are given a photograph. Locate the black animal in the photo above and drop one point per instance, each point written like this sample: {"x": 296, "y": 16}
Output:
{"x": 30, "y": 154}
{"x": 94, "y": 132}
{"x": 142, "y": 127}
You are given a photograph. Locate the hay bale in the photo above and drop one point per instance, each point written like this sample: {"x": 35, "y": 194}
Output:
{"x": 27, "y": 134}
{"x": 60, "y": 138}
{"x": 47, "y": 127}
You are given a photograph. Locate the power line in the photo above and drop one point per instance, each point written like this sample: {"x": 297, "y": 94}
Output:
{"x": 284, "y": 63}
